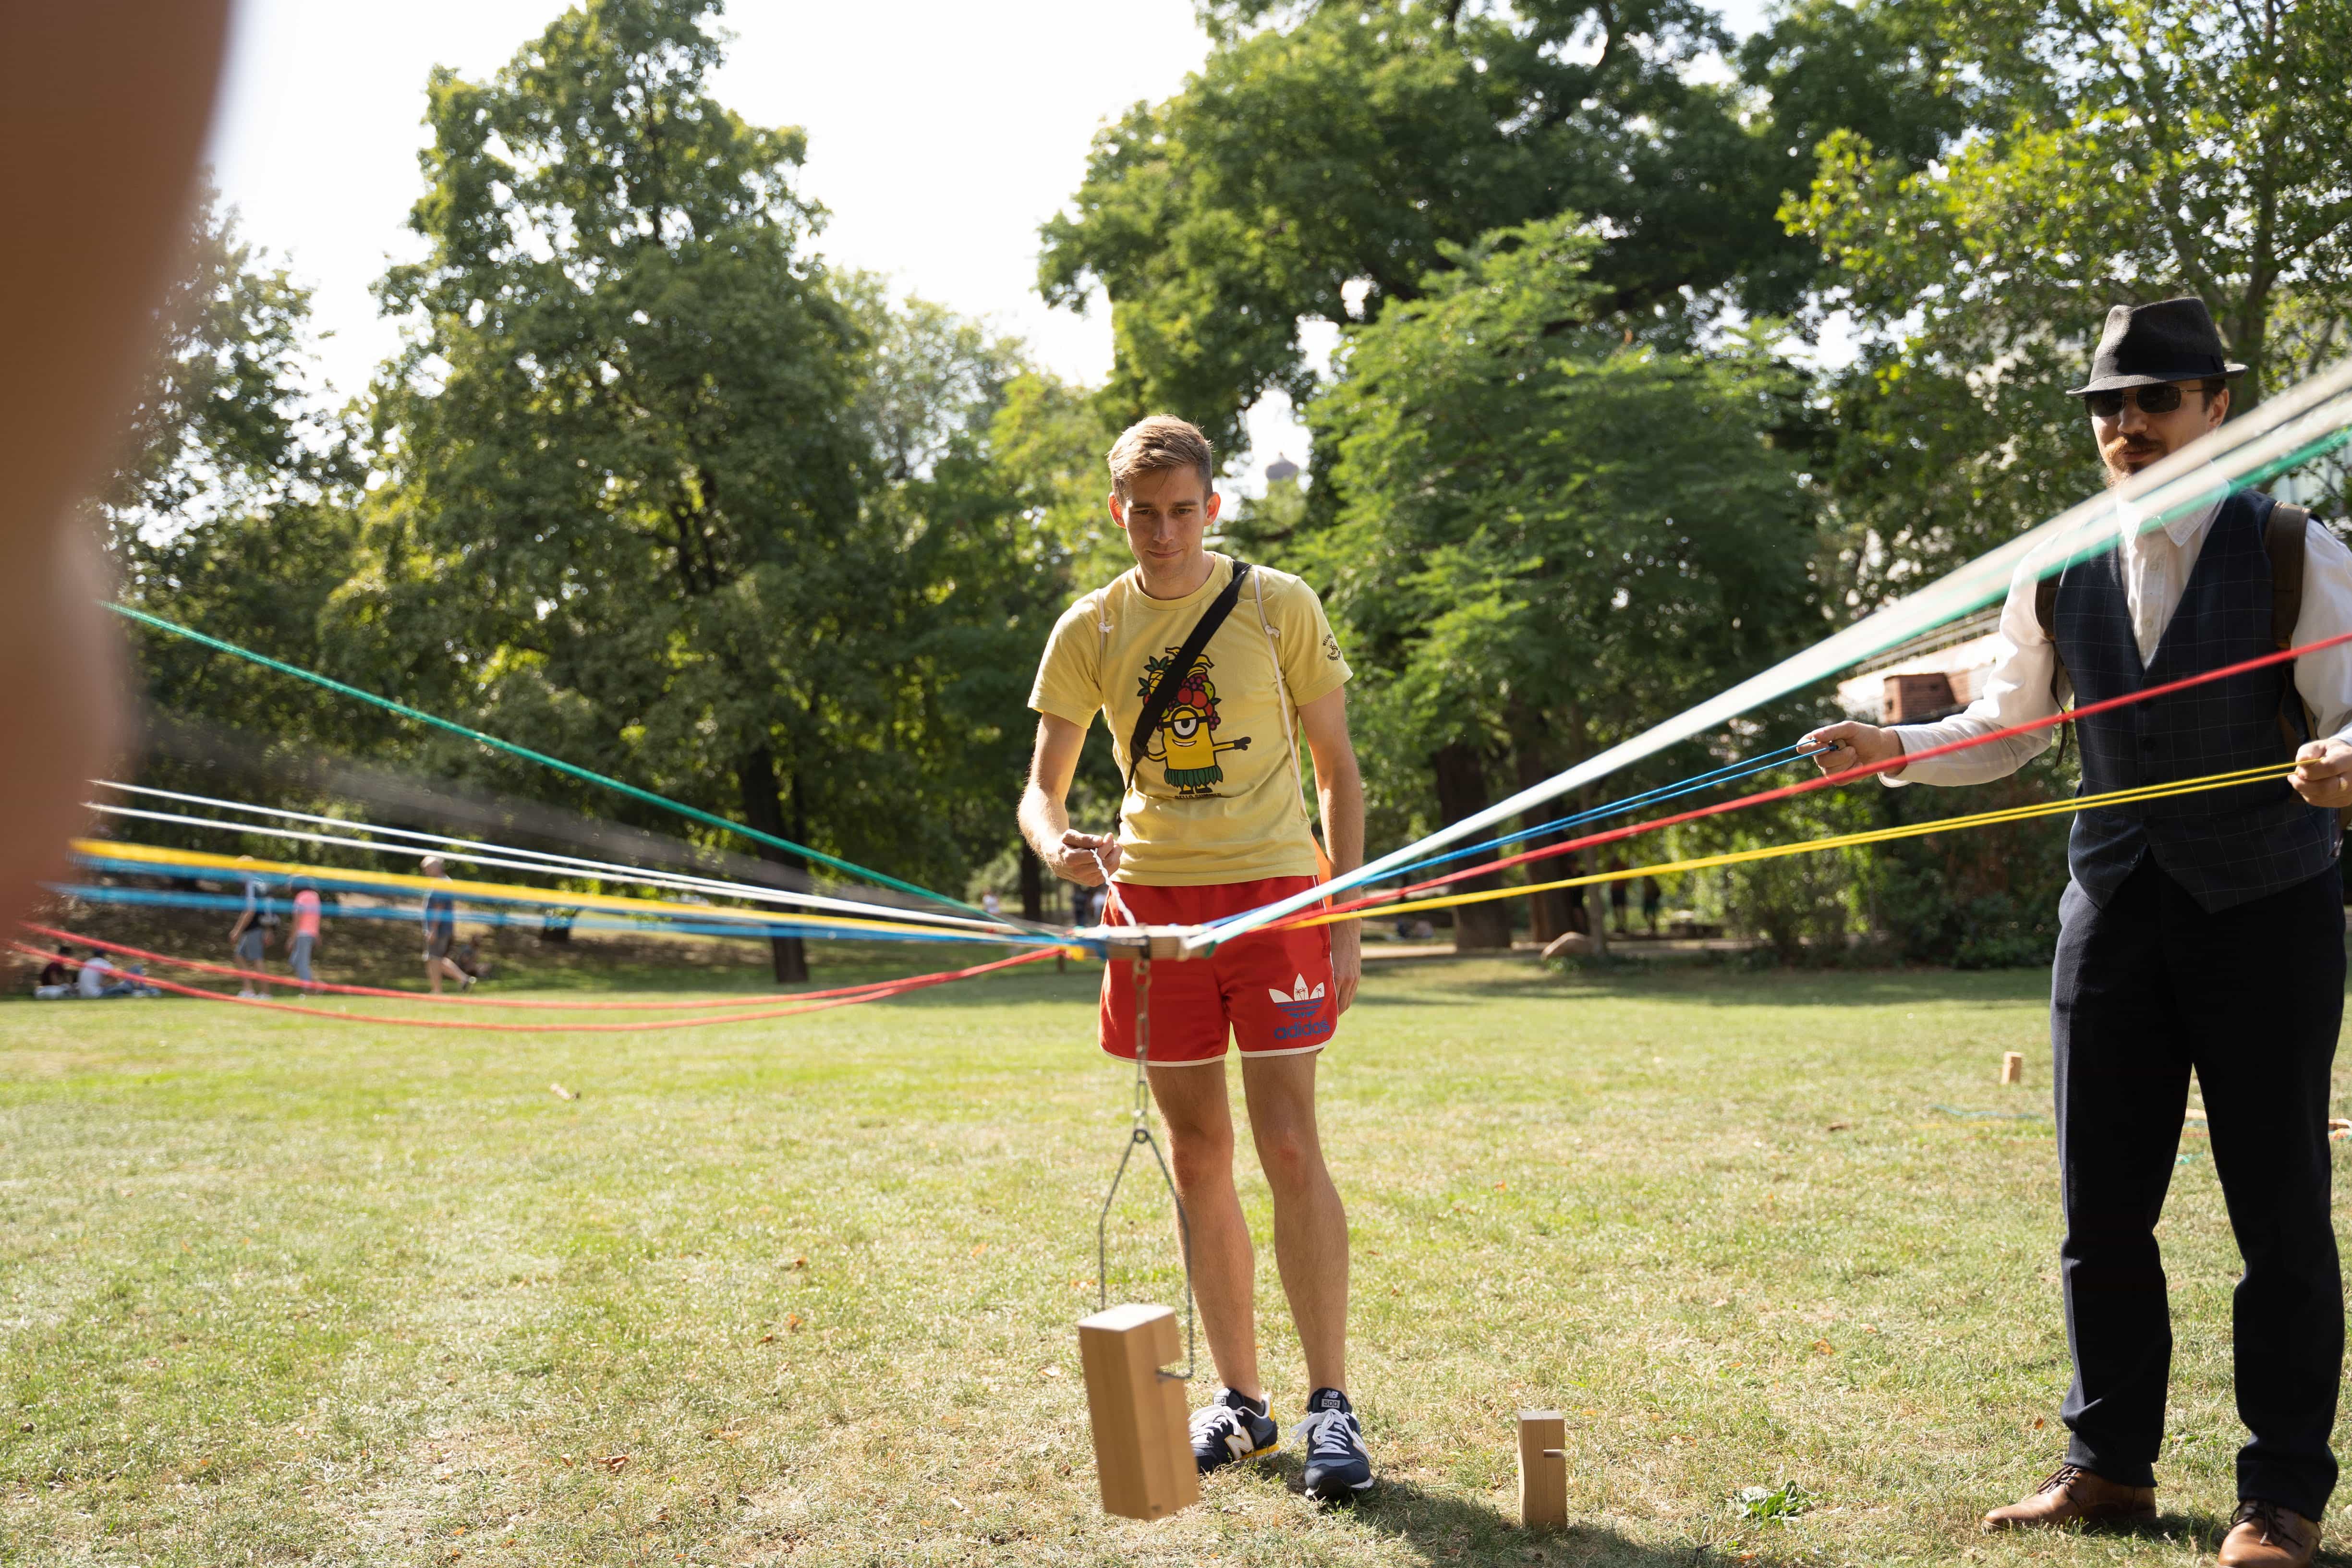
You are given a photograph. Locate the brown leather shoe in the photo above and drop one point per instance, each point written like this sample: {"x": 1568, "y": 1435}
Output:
{"x": 2265, "y": 1535}
{"x": 2074, "y": 1493}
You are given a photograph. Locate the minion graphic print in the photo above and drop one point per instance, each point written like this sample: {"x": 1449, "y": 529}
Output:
{"x": 1186, "y": 741}
{"x": 1216, "y": 798}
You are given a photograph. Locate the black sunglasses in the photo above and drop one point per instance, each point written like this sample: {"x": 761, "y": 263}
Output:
{"x": 2162, "y": 398}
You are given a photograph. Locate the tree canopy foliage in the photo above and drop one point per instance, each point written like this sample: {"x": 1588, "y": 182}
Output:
{"x": 2117, "y": 153}
{"x": 1547, "y": 537}
{"x": 1326, "y": 153}
{"x": 655, "y": 490}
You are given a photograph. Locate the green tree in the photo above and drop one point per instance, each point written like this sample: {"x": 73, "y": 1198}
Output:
{"x": 1327, "y": 155}
{"x": 1548, "y": 538}
{"x": 232, "y": 510}
{"x": 665, "y": 497}
{"x": 2123, "y": 152}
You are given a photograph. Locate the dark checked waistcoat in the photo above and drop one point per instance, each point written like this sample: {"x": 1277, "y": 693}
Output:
{"x": 2226, "y": 847}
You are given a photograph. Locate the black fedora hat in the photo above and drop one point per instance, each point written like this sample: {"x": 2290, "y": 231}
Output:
{"x": 2172, "y": 340}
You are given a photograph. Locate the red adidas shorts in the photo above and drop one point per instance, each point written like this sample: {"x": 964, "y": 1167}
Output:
{"x": 1271, "y": 991}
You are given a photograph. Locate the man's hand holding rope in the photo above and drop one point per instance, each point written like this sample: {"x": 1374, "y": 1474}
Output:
{"x": 1837, "y": 747}
{"x": 2323, "y": 773}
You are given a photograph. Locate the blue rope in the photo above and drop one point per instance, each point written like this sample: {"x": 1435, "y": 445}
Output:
{"x": 481, "y": 916}
{"x": 1613, "y": 808}
{"x": 1708, "y": 780}
{"x": 521, "y": 918}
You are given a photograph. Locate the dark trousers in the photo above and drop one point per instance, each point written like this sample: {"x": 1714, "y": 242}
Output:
{"x": 2143, "y": 991}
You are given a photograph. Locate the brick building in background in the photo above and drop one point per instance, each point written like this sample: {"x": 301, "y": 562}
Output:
{"x": 1928, "y": 677}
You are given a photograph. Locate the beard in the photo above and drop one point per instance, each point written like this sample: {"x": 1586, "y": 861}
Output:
{"x": 2117, "y": 462}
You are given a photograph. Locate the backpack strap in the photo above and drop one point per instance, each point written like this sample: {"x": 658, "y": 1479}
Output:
{"x": 1162, "y": 695}
{"x": 2062, "y": 685}
{"x": 2284, "y": 536}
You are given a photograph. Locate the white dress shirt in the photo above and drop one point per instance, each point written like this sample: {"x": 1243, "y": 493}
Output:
{"x": 2155, "y": 567}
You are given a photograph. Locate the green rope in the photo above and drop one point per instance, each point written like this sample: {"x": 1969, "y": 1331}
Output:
{"x": 527, "y": 755}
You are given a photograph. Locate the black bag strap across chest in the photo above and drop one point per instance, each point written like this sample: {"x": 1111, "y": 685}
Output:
{"x": 1162, "y": 695}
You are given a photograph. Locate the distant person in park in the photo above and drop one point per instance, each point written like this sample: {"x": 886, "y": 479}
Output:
{"x": 1650, "y": 899}
{"x": 248, "y": 939}
{"x": 2203, "y": 933}
{"x": 60, "y": 977}
{"x": 1213, "y": 824}
{"x": 440, "y": 920}
{"x": 305, "y": 940}
{"x": 100, "y": 980}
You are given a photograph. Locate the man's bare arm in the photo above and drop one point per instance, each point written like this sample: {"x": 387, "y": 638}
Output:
{"x": 1339, "y": 788}
{"x": 1044, "y": 808}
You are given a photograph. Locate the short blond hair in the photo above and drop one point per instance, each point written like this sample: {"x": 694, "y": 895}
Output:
{"x": 1159, "y": 442}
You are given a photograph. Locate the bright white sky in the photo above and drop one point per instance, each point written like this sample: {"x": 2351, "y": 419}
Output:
{"x": 941, "y": 136}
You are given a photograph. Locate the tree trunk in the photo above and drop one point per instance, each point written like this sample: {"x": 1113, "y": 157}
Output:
{"x": 764, "y": 810}
{"x": 1595, "y": 895}
{"x": 1033, "y": 884}
{"x": 1546, "y": 912}
{"x": 1461, "y": 776}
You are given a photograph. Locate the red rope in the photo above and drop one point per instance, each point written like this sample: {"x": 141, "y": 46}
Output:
{"x": 461, "y": 998}
{"x": 888, "y": 988}
{"x": 1860, "y": 771}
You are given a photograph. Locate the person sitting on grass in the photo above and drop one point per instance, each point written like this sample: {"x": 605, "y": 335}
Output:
{"x": 249, "y": 938}
{"x": 441, "y": 932}
{"x": 1192, "y": 848}
{"x": 100, "y": 980}
{"x": 56, "y": 975}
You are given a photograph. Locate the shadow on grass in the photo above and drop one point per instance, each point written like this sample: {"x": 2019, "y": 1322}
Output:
{"x": 1446, "y": 1527}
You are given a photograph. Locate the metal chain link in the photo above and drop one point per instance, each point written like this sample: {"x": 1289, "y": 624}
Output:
{"x": 1140, "y": 1133}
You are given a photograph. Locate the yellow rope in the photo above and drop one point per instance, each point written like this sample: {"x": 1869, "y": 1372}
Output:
{"x": 149, "y": 854}
{"x": 1836, "y": 841}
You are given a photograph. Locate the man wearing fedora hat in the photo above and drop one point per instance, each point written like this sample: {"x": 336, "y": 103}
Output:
{"x": 2199, "y": 934}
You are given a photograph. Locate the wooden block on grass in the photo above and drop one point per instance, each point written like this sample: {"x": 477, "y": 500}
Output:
{"x": 2012, "y": 1067}
{"x": 1543, "y": 1471}
{"x": 1142, "y": 1453}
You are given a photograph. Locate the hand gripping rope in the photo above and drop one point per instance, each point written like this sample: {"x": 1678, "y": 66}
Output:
{"x": 1142, "y": 1134}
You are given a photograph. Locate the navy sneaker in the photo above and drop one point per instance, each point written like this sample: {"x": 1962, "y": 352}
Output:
{"x": 1231, "y": 1428}
{"x": 1337, "y": 1465}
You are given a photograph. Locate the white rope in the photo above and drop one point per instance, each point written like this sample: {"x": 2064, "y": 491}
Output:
{"x": 540, "y": 860}
{"x": 2274, "y": 435}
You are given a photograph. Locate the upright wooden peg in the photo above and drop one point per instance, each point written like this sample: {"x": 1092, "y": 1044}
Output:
{"x": 1543, "y": 1471}
{"x": 1142, "y": 1453}
{"x": 2012, "y": 1067}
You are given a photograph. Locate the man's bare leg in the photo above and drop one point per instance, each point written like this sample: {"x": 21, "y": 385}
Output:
{"x": 1191, "y": 1101}
{"x": 1310, "y": 1226}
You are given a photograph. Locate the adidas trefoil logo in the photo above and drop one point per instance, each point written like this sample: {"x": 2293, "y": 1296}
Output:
{"x": 1301, "y": 1004}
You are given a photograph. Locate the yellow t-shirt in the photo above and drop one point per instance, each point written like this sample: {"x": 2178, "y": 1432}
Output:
{"x": 1215, "y": 799}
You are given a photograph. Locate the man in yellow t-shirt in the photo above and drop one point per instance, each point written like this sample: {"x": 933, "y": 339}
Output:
{"x": 1214, "y": 823}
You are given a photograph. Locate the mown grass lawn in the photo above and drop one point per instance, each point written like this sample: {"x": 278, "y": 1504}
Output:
{"x": 278, "y": 1290}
